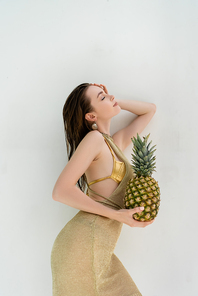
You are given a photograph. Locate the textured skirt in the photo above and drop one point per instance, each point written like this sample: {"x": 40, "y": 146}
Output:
{"x": 83, "y": 262}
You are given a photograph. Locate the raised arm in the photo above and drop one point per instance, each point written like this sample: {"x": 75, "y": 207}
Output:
{"x": 65, "y": 190}
{"x": 144, "y": 112}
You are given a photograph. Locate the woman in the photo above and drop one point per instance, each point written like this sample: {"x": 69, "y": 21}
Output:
{"x": 83, "y": 262}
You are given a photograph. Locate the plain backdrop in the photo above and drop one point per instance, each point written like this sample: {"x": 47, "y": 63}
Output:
{"x": 143, "y": 50}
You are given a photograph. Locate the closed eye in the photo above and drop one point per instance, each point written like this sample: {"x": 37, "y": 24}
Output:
{"x": 103, "y": 98}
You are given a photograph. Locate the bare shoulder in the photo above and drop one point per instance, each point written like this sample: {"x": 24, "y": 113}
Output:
{"x": 93, "y": 141}
{"x": 86, "y": 152}
{"x": 94, "y": 137}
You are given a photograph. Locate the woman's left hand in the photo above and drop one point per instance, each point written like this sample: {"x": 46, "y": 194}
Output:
{"x": 101, "y": 86}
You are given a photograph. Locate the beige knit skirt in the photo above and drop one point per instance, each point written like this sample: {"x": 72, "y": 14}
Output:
{"x": 83, "y": 262}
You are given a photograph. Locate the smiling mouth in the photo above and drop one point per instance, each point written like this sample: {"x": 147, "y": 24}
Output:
{"x": 115, "y": 104}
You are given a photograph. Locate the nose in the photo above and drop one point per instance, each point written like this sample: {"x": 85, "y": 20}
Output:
{"x": 112, "y": 98}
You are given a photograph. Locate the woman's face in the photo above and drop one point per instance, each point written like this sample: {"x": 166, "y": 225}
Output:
{"x": 105, "y": 105}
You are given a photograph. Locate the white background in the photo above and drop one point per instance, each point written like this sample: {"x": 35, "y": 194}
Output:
{"x": 145, "y": 50}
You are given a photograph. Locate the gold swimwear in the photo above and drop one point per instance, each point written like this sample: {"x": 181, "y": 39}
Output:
{"x": 118, "y": 171}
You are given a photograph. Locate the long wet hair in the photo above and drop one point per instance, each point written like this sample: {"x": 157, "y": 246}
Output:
{"x": 75, "y": 124}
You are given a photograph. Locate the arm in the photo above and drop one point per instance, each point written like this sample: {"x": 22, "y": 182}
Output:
{"x": 144, "y": 111}
{"x": 66, "y": 192}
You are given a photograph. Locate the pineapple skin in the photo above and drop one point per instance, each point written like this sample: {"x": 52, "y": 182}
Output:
{"x": 143, "y": 192}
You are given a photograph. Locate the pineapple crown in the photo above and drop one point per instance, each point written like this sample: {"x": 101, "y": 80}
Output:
{"x": 143, "y": 159}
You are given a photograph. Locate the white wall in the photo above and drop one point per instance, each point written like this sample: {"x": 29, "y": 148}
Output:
{"x": 145, "y": 50}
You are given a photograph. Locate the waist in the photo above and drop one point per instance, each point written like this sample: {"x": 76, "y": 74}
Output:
{"x": 111, "y": 201}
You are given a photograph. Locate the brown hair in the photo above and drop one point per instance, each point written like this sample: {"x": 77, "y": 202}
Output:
{"x": 75, "y": 124}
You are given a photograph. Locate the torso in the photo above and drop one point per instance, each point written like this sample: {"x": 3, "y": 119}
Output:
{"x": 102, "y": 166}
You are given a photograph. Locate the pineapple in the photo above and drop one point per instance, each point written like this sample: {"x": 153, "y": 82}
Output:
{"x": 143, "y": 190}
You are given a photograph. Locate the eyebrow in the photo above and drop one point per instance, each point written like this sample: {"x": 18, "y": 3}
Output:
{"x": 99, "y": 93}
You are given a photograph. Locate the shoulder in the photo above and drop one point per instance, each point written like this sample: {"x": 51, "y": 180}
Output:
{"x": 88, "y": 149}
{"x": 93, "y": 140}
{"x": 94, "y": 135}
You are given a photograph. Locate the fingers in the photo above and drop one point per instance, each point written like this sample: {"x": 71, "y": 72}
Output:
{"x": 142, "y": 224}
{"x": 104, "y": 87}
{"x": 101, "y": 86}
{"x": 137, "y": 210}
{"x": 96, "y": 84}
{"x": 139, "y": 223}
{"x": 126, "y": 216}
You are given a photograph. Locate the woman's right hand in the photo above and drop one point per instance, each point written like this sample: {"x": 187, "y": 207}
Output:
{"x": 126, "y": 216}
{"x": 101, "y": 86}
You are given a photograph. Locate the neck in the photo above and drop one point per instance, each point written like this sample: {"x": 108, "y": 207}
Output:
{"x": 104, "y": 127}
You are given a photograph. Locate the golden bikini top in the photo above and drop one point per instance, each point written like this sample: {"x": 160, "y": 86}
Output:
{"x": 118, "y": 171}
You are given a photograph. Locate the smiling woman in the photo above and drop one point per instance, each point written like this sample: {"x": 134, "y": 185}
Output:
{"x": 82, "y": 260}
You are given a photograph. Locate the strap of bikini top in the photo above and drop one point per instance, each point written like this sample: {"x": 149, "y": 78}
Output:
{"x": 103, "y": 178}
{"x": 110, "y": 148}
{"x": 98, "y": 180}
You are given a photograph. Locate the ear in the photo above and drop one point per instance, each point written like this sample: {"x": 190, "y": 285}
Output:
{"x": 90, "y": 117}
